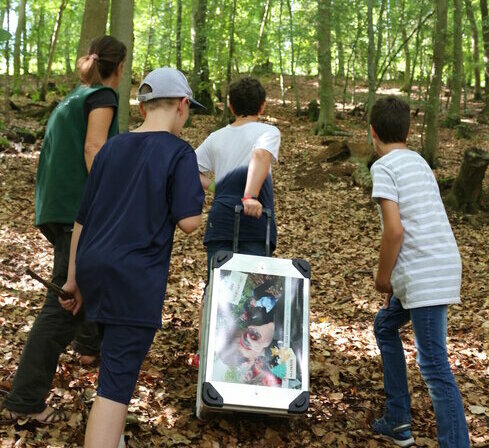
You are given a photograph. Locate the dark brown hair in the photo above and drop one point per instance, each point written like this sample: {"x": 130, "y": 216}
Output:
{"x": 390, "y": 119}
{"x": 103, "y": 57}
{"x": 246, "y": 96}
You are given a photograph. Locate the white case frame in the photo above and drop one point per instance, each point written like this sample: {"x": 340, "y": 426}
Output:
{"x": 247, "y": 397}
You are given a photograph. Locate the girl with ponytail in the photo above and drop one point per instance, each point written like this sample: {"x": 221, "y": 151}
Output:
{"x": 77, "y": 129}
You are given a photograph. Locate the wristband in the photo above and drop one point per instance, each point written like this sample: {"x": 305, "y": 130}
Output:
{"x": 248, "y": 197}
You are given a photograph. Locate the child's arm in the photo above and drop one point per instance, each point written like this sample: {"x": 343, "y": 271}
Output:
{"x": 75, "y": 304}
{"x": 390, "y": 245}
{"x": 258, "y": 170}
{"x": 188, "y": 225}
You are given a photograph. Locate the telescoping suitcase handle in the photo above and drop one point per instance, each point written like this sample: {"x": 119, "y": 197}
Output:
{"x": 237, "y": 215}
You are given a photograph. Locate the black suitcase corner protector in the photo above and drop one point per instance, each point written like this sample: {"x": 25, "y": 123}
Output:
{"x": 300, "y": 404}
{"x": 221, "y": 257}
{"x": 211, "y": 396}
{"x": 302, "y": 266}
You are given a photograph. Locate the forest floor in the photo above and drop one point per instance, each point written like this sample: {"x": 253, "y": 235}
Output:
{"x": 322, "y": 217}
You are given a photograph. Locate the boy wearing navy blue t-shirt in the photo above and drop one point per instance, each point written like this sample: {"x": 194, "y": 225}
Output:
{"x": 142, "y": 184}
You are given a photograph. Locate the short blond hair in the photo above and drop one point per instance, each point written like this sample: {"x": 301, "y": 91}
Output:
{"x": 164, "y": 103}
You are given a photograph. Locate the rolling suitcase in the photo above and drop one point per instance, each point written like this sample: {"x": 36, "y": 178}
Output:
{"x": 254, "y": 348}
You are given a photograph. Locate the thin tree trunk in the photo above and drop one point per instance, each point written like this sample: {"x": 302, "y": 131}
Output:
{"x": 416, "y": 53}
{"x": 458, "y": 73}
{"x": 52, "y": 49}
{"x": 39, "y": 52}
{"x": 169, "y": 13}
{"x": 352, "y": 54}
{"x": 372, "y": 69}
{"x": 7, "y": 68}
{"x": 17, "y": 43}
{"x": 373, "y": 56}
{"x": 94, "y": 24}
{"x": 149, "y": 41}
{"x": 69, "y": 71}
{"x": 407, "y": 55}
{"x": 280, "y": 59}
{"x": 225, "y": 118}
{"x": 475, "y": 49}
{"x": 338, "y": 40}
{"x": 200, "y": 80}
{"x": 325, "y": 124}
{"x": 485, "y": 38}
{"x": 261, "y": 34}
{"x": 292, "y": 60}
{"x": 25, "y": 52}
{"x": 179, "y": 35}
{"x": 430, "y": 147}
{"x": 122, "y": 28}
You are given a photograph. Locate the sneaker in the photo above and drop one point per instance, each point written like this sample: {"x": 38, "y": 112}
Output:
{"x": 400, "y": 435}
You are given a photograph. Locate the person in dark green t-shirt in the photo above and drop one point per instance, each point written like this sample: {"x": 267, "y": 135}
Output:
{"x": 77, "y": 129}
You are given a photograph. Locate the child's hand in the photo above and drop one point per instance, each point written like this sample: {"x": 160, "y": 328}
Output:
{"x": 252, "y": 207}
{"x": 75, "y": 304}
{"x": 383, "y": 285}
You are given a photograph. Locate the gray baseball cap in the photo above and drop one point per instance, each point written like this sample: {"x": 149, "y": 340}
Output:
{"x": 167, "y": 82}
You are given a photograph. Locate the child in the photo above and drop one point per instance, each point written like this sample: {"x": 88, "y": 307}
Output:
{"x": 240, "y": 156}
{"x": 142, "y": 184}
{"x": 420, "y": 271}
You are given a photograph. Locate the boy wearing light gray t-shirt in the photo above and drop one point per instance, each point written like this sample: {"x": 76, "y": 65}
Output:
{"x": 420, "y": 273}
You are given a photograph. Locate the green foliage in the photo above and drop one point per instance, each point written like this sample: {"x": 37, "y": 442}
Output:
{"x": 4, "y": 143}
{"x": 155, "y": 24}
{"x": 4, "y": 35}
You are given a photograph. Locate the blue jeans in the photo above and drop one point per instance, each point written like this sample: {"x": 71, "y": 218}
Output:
{"x": 430, "y": 334}
{"x": 244, "y": 247}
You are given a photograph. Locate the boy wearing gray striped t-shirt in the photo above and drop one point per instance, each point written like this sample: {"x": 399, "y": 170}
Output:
{"x": 420, "y": 273}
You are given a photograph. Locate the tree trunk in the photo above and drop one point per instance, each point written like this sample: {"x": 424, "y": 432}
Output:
{"x": 467, "y": 189}
{"x": 179, "y": 34}
{"x": 352, "y": 54}
{"x": 225, "y": 118}
{"x": 122, "y": 28}
{"x": 407, "y": 55}
{"x": 292, "y": 60}
{"x": 417, "y": 45}
{"x": 325, "y": 123}
{"x": 372, "y": 67}
{"x": 39, "y": 52}
{"x": 52, "y": 49}
{"x": 146, "y": 67}
{"x": 201, "y": 84}
{"x": 17, "y": 44}
{"x": 261, "y": 34}
{"x": 485, "y": 39}
{"x": 475, "y": 49}
{"x": 430, "y": 146}
{"x": 453, "y": 118}
{"x": 338, "y": 40}
{"x": 7, "y": 69}
{"x": 280, "y": 59}
{"x": 25, "y": 52}
{"x": 69, "y": 70}
{"x": 94, "y": 24}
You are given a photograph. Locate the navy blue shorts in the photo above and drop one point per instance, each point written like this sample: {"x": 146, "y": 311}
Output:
{"x": 122, "y": 351}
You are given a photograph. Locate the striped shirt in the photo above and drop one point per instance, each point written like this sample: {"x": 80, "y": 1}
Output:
{"x": 428, "y": 269}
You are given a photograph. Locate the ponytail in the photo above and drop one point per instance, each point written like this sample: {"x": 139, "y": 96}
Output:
{"x": 103, "y": 59}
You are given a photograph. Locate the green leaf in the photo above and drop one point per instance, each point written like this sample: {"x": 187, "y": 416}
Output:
{"x": 4, "y": 35}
